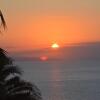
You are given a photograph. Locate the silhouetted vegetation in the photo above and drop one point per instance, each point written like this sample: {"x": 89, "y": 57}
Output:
{"x": 12, "y": 87}
{"x": 3, "y": 23}
{"x": 6, "y": 70}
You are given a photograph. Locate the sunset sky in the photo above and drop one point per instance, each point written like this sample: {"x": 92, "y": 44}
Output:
{"x": 39, "y": 23}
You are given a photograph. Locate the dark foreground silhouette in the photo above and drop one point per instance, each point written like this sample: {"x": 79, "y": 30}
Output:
{"x": 12, "y": 87}
{"x": 3, "y": 23}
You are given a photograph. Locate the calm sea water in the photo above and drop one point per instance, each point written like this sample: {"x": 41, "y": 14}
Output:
{"x": 62, "y": 80}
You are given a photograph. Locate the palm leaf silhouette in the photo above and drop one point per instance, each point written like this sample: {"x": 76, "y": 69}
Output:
{"x": 18, "y": 88}
{"x": 3, "y": 23}
{"x": 4, "y": 60}
{"x": 6, "y": 66}
{"x": 6, "y": 69}
{"x": 9, "y": 70}
{"x": 14, "y": 88}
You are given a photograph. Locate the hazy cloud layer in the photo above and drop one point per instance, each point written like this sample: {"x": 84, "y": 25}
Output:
{"x": 86, "y": 51}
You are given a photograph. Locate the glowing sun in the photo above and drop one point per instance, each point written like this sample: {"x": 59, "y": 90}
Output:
{"x": 55, "y": 46}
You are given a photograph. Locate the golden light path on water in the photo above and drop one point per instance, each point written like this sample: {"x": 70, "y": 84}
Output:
{"x": 56, "y": 78}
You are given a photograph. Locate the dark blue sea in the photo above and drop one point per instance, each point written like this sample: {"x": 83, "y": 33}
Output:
{"x": 64, "y": 80}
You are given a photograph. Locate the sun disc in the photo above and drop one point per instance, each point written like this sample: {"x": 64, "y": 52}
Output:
{"x": 55, "y": 45}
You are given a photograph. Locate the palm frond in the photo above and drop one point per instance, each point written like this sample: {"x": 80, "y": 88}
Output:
{"x": 12, "y": 81}
{"x": 23, "y": 88}
{"x": 4, "y": 59}
{"x": 8, "y": 70}
{"x": 3, "y": 23}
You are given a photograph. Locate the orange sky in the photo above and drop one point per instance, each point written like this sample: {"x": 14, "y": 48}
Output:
{"x": 28, "y": 29}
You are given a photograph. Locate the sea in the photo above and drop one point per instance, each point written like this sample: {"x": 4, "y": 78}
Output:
{"x": 64, "y": 80}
